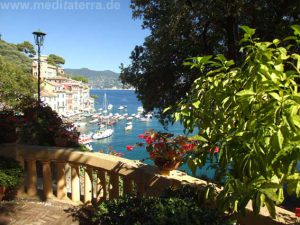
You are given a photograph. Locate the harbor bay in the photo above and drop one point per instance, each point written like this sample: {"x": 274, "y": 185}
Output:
{"x": 121, "y": 137}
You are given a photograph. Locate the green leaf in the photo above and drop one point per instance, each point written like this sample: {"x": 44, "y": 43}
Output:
{"x": 199, "y": 138}
{"x": 196, "y": 104}
{"x": 276, "y": 41}
{"x": 296, "y": 29}
{"x": 297, "y": 57}
{"x": 277, "y": 140}
{"x": 245, "y": 92}
{"x": 256, "y": 203}
{"x": 248, "y": 30}
{"x": 271, "y": 207}
{"x": 167, "y": 109}
{"x": 275, "y": 95}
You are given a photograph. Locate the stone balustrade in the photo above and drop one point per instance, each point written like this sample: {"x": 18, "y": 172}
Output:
{"x": 96, "y": 177}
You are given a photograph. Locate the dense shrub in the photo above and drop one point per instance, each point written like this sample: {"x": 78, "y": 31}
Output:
{"x": 8, "y": 124}
{"x": 135, "y": 210}
{"x": 10, "y": 173}
{"x": 250, "y": 112}
{"x": 42, "y": 126}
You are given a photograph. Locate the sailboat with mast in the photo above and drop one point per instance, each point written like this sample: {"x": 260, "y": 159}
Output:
{"x": 106, "y": 132}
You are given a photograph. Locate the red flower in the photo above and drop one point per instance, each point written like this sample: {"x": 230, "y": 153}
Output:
{"x": 159, "y": 145}
{"x": 152, "y": 155}
{"x": 188, "y": 147}
{"x": 297, "y": 212}
{"x": 141, "y": 136}
{"x": 119, "y": 154}
{"x": 148, "y": 140}
{"x": 216, "y": 149}
{"x": 129, "y": 148}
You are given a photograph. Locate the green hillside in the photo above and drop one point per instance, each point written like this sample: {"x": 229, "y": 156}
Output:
{"x": 15, "y": 75}
{"x": 106, "y": 79}
{"x": 10, "y": 53}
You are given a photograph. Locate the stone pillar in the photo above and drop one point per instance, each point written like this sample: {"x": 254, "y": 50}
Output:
{"x": 32, "y": 177}
{"x": 127, "y": 186}
{"x": 75, "y": 183}
{"x": 47, "y": 180}
{"x": 21, "y": 189}
{"x": 140, "y": 187}
{"x": 101, "y": 186}
{"x": 88, "y": 177}
{"x": 61, "y": 187}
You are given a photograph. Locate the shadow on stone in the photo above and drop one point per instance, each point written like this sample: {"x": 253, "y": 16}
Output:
{"x": 81, "y": 214}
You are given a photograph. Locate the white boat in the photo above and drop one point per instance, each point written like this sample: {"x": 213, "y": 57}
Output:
{"x": 128, "y": 126}
{"x": 95, "y": 116}
{"x": 100, "y": 109}
{"x": 133, "y": 115}
{"x": 102, "y": 126}
{"x": 101, "y": 134}
{"x": 146, "y": 118}
{"x": 129, "y": 118}
{"x": 140, "y": 109}
{"x": 121, "y": 107}
{"x": 105, "y": 132}
{"x": 79, "y": 124}
{"x": 121, "y": 117}
{"x": 85, "y": 138}
{"x": 94, "y": 121}
{"x": 110, "y": 107}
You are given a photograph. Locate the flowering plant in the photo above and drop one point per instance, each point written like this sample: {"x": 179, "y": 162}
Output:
{"x": 166, "y": 146}
{"x": 67, "y": 133}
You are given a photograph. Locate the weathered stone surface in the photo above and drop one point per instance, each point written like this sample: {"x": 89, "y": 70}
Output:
{"x": 34, "y": 212}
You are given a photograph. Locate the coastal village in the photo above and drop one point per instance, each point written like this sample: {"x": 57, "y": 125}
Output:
{"x": 64, "y": 95}
{"x": 163, "y": 112}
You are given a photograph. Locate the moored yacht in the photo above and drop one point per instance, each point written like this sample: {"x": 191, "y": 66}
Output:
{"x": 128, "y": 126}
{"x": 101, "y": 134}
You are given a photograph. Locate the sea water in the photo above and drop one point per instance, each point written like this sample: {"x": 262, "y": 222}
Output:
{"x": 121, "y": 138}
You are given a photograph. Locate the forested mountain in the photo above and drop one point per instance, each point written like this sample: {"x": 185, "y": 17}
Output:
{"x": 106, "y": 79}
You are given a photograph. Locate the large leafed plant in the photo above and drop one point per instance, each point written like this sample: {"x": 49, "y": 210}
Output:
{"x": 251, "y": 113}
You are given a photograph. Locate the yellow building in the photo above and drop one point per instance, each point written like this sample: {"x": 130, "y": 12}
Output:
{"x": 47, "y": 70}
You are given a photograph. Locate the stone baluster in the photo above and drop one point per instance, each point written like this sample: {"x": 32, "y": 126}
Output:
{"x": 61, "y": 188}
{"x": 127, "y": 185}
{"x": 47, "y": 179}
{"x": 75, "y": 183}
{"x": 114, "y": 186}
{"x": 88, "y": 177}
{"x": 21, "y": 189}
{"x": 140, "y": 187}
{"x": 32, "y": 177}
{"x": 101, "y": 186}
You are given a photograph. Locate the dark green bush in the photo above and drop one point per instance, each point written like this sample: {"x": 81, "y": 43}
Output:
{"x": 8, "y": 124}
{"x": 42, "y": 126}
{"x": 134, "y": 210}
{"x": 10, "y": 173}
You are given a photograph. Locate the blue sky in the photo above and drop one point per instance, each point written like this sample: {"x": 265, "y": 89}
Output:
{"x": 91, "y": 37}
